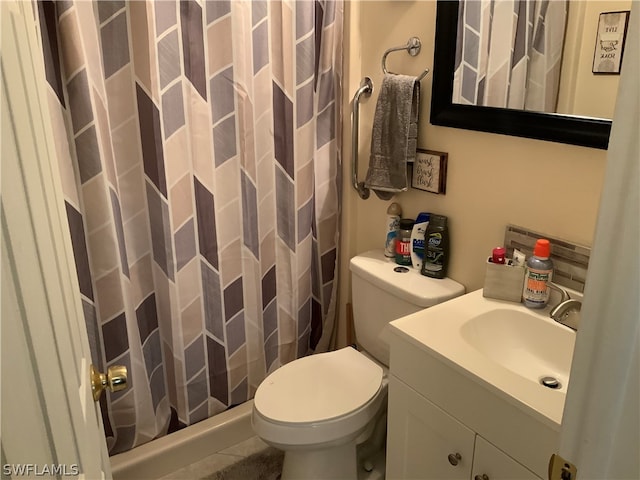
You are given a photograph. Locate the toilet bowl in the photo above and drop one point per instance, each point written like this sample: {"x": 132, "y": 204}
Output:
{"x": 319, "y": 408}
{"x": 315, "y": 408}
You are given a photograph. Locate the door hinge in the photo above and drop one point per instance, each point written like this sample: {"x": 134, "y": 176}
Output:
{"x": 561, "y": 469}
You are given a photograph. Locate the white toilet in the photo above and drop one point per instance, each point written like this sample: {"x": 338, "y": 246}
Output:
{"x": 319, "y": 408}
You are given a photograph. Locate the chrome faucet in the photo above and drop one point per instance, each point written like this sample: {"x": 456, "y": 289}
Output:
{"x": 567, "y": 311}
{"x": 560, "y": 290}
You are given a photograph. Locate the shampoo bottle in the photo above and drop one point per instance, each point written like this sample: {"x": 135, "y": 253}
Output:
{"x": 539, "y": 273}
{"x": 417, "y": 239}
{"x": 436, "y": 248}
{"x": 393, "y": 224}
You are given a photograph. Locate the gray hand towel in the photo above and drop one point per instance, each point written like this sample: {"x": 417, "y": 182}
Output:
{"x": 395, "y": 134}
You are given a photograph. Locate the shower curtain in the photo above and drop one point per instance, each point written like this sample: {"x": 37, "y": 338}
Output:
{"x": 509, "y": 53}
{"x": 198, "y": 144}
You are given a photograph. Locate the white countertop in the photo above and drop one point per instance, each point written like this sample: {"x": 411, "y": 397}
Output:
{"x": 501, "y": 345}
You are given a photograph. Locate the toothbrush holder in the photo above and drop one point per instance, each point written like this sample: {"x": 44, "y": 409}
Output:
{"x": 503, "y": 281}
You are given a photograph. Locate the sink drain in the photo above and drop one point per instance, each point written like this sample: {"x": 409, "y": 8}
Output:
{"x": 550, "y": 382}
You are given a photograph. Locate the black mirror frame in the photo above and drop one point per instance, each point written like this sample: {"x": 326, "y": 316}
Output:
{"x": 584, "y": 131}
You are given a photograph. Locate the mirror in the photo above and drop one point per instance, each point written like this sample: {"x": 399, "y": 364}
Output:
{"x": 509, "y": 54}
{"x": 557, "y": 127}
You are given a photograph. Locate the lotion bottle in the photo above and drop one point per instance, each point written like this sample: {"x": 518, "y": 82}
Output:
{"x": 417, "y": 239}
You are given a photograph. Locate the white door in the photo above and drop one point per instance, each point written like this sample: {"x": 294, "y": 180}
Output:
{"x": 50, "y": 423}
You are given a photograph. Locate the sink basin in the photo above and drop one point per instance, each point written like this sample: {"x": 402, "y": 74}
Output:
{"x": 523, "y": 343}
{"x": 505, "y": 346}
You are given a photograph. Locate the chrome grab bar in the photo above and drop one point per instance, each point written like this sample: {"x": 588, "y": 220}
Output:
{"x": 412, "y": 47}
{"x": 366, "y": 88}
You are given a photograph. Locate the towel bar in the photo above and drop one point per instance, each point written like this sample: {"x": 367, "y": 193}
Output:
{"x": 366, "y": 88}
{"x": 412, "y": 47}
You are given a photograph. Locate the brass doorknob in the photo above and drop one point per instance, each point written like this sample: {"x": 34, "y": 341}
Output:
{"x": 115, "y": 380}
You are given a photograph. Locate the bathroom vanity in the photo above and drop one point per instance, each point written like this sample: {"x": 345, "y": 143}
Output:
{"x": 465, "y": 393}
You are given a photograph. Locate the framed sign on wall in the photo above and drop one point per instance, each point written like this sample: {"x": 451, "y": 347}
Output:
{"x": 612, "y": 31}
{"x": 429, "y": 171}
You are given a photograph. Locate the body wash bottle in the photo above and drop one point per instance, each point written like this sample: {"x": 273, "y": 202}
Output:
{"x": 417, "y": 239}
{"x": 436, "y": 248}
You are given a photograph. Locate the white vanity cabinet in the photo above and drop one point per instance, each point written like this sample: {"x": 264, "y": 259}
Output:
{"x": 421, "y": 437}
{"x": 438, "y": 410}
{"x": 425, "y": 442}
{"x": 493, "y": 464}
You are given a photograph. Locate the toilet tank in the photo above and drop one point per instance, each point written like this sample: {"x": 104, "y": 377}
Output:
{"x": 383, "y": 291}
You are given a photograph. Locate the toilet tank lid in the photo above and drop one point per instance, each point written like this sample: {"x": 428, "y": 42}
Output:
{"x": 411, "y": 286}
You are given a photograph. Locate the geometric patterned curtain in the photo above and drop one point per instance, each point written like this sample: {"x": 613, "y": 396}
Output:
{"x": 198, "y": 144}
{"x": 509, "y": 53}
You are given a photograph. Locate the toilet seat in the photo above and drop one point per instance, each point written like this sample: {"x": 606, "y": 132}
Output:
{"x": 319, "y": 387}
{"x": 320, "y": 399}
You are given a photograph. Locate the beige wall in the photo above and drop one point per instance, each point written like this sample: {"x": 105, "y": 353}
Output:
{"x": 492, "y": 179}
{"x": 582, "y": 92}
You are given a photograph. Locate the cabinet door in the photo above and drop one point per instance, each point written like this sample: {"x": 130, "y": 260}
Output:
{"x": 490, "y": 463}
{"x": 423, "y": 440}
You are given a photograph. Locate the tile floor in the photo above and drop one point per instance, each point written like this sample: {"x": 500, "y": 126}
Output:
{"x": 218, "y": 461}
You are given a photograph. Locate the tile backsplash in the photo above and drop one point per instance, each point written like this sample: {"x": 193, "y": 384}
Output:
{"x": 570, "y": 261}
